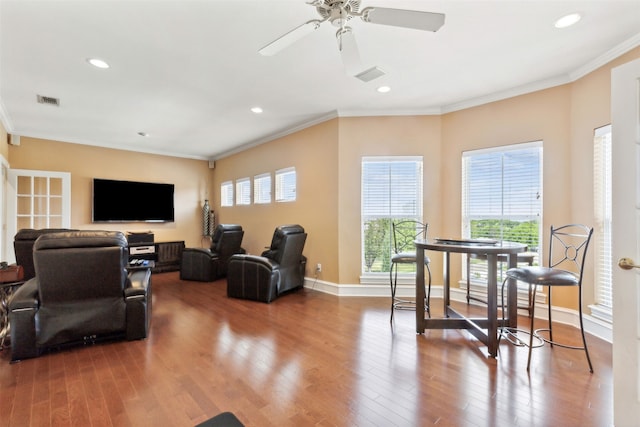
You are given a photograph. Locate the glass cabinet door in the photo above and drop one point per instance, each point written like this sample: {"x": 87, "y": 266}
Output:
{"x": 39, "y": 202}
{"x": 37, "y": 199}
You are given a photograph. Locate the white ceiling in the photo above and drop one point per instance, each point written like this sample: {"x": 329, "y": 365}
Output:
{"x": 187, "y": 72}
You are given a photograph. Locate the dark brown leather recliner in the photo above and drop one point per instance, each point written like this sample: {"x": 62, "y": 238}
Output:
{"x": 278, "y": 270}
{"x": 82, "y": 293}
{"x": 207, "y": 265}
{"x": 23, "y": 247}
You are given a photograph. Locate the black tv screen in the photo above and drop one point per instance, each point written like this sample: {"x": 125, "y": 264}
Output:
{"x": 131, "y": 201}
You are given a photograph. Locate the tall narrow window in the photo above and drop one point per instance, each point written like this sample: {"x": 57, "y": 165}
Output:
{"x": 286, "y": 185}
{"x": 391, "y": 191}
{"x": 262, "y": 188}
{"x": 602, "y": 216}
{"x": 243, "y": 191}
{"x": 502, "y": 198}
{"x": 226, "y": 193}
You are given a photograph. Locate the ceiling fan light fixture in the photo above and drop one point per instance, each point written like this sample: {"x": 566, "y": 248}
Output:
{"x": 568, "y": 20}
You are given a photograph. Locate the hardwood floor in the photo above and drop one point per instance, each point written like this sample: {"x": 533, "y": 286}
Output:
{"x": 307, "y": 359}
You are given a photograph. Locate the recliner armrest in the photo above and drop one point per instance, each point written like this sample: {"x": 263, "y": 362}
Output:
{"x": 138, "y": 300}
{"x": 266, "y": 262}
{"x": 138, "y": 282}
{"x": 200, "y": 251}
{"x": 23, "y": 306}
{"x": 26, "y": 296}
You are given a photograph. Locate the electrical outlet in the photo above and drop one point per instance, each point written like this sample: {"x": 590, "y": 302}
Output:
{"x": 318, "y": 268}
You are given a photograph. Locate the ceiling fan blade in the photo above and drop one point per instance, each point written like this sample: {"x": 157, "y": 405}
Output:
{"x": 426, "y": 21}
{"x": 289, "y": 38}
{"x": 349, "y": 51}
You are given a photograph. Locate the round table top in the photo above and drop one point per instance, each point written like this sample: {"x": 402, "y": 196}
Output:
{"x": 471, "y": 246}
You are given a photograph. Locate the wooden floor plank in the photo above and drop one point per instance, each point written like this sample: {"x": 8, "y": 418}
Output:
{"x": 306, "y": 359}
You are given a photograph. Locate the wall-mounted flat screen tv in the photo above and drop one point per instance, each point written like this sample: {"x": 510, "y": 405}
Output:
{"x": 132, "y": 201}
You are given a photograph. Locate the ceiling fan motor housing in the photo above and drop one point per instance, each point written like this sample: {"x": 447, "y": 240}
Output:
{"x": 338, "y": 12}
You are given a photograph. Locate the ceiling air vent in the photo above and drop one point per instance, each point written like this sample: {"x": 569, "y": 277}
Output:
{"x": 370, "y": 74}
{"x": 48, "y": 100}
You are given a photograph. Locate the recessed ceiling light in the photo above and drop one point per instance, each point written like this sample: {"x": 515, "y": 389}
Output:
{"x": 383, "y": 89}
{"x": 256, "y": 110}
{"x": 568, "y": 20}
{"x": 98, "y": 63}
{"x": 143, "y": 134}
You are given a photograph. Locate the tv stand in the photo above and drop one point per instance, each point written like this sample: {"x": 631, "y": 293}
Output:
{"x": 166, "y": 255}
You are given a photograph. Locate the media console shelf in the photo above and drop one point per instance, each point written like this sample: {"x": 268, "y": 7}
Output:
{"x": 167, "y": 255}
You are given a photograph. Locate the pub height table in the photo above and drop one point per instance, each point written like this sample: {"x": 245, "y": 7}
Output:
{"x": 484, "y": 328}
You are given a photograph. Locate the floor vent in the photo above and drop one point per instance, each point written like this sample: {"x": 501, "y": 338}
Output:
{"x": 48, "y": 100}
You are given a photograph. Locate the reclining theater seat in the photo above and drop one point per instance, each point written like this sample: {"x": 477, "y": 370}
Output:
{"x": 207, "y": 265}
{"x": 23, "y": 247}
{"x": 278, "y": 270}
{"x": 81, "y": 293}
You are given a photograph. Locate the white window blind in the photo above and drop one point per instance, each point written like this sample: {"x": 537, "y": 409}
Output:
{"x": 286, "y": 185}
{"x": 243, "y": 191}
{"x": 602, "y": 215}
{"x": 502, "y": 198}
{"x": 226, "y": 193}
{"x": 391, "y": 191}
{"x": 262, "y": 188}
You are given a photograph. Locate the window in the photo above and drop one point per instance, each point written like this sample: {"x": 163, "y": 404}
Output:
{"x": 391, "y": 191}
{"x": 602, "y": 216}
{"x": 286, "y": 185}
{"x": 243, "y": 191}
{"x": 262, "y": 188}
{"x": 502, "y": 198}
{"x": 226, "y": 193}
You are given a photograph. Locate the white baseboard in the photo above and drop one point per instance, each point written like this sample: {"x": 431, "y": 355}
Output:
{"x": 592, "y": 325}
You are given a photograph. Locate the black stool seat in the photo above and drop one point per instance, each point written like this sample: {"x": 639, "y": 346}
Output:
{"x": 543, "y": 276}
{"x": 407, "y": 258}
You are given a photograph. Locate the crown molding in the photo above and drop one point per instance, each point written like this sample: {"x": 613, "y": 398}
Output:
{"x": 280, "y": 134}
{"x": 108, "y": 146}
{"x": 606, "y": 57}
{"x": 506, "y": 94}
{"x": 432, "y": 111}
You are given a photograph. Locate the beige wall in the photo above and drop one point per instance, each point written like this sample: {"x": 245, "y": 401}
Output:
{"x": 327, "y": 159}
{"x": 543, "y": 115}
{"x": 563, "y": 117}
{"x": 314, "y": 154}
{"x": 190, "y": 177}
{"x": 4, "y": 142}
{"x": 383, "y": 136}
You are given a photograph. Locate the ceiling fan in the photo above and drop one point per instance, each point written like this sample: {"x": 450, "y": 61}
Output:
{"x": 339, "y": 12}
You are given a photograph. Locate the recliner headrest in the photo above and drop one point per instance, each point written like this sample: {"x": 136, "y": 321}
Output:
{"x": 284, "y": 230}
{"x": 81, "y": 239}
{"x": 221, "y": 228}
{"x": 33, "y": 234}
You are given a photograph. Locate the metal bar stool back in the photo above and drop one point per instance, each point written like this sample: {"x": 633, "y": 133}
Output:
{"x": 404, "y": 234}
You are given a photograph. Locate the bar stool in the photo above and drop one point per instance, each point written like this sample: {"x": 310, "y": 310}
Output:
{"x": 404, "y": 252}
{"x": 568, "y": 246}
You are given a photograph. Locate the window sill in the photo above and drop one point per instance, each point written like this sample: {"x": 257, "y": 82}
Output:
{"x": 602, "y": 313}
{"x": 384, "y": 279}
